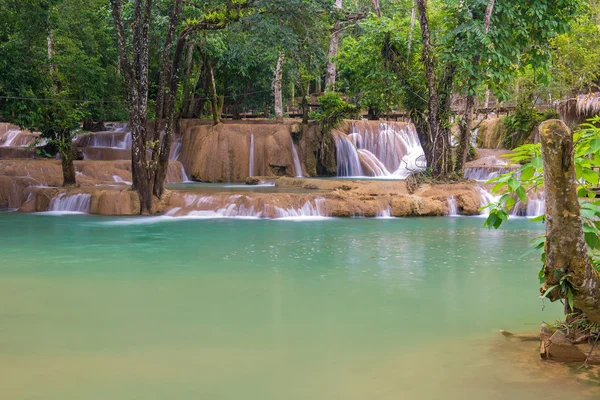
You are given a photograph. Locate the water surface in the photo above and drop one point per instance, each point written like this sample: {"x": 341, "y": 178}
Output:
{"x": 126, "y": 308}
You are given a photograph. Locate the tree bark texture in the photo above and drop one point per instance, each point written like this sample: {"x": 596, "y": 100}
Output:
{"x": 566, "y": 252}
{"x": 277, "y": 87}
{"x": 67, "y": 156}
{"x": 331, "y": 70}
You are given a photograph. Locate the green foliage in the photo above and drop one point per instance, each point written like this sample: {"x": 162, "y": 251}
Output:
{"x": 363, "y": 74}
{"x": 514, "y": 186}
{"x": 333, "y": 110}
{"x": 520, "y": 125}
{"x": 575, "y": 63}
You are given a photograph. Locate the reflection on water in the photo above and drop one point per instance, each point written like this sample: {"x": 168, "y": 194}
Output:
{"x": 231, "y": 309}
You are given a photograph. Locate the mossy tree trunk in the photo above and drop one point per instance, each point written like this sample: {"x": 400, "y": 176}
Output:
{"x": 566, "y": 251}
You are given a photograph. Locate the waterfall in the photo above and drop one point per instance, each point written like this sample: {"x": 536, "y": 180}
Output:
{"x": 484, "y": 173}
{"x": 297, "y": 166}
{"x": 453, "y": 208}
{"x": 126, "y": 142}
{"x": 348, "y": 163}
{"x": 535, "y": 206}
{"x": 118, "y": 179}
{"x": 384, "y": 213}
{"x": 308, "y": 211}
{"x": 176, "y": 150}
{"x": 474, "y": 135}
{"x": 78, "y": 203}
{"x": 251, "y": 156}
{"x": 8, "y": 137}
{"x": 389, "y": 151}
{"x": 372, "y": 163}
{"x": 184, "y": 177}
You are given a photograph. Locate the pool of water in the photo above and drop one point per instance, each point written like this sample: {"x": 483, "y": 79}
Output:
{"x": 123, "y": 308}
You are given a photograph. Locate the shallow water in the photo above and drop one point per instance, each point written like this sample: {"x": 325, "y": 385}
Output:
{"x": 106, "y": 308}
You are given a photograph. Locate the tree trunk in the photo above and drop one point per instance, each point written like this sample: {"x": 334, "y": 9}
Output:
{"x": 214, "y": 101}
{"x": 465, "y": 134}
{"x": 277, "y": 88}
{"x": 187, "y": 84}
{"x": 377, "y": 8}
{"x": 330, "y": 74}
{"x": 67, "y": 157}
{"x": 566, "y": 252}
{"x": 433, "y": 135}
{"x": 136, "y": 80}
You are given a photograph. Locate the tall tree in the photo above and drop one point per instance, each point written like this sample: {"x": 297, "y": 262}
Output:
{"x": 330, "y": 74}
{"x": 467, "y": 117}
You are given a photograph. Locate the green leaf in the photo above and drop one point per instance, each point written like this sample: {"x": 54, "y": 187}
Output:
{"x": 590, "y": 176}
{"x": 595, "y": 144}
{"x": 547, "y": 292}
{"x": 591, "y": 238}
{"x": 513, "y": 183}
{"x": 570, "y": 298}
{"x": 537, "y": 162}
{"x": 527, "y": 172}
{"x": 540, "y": 218}
{"x": 522, "y": 194}
{"x": 510, "y": 203}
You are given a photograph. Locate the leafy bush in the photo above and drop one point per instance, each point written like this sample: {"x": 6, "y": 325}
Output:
{"x": 333, "y": 110}
{"x": 520, "y": 124}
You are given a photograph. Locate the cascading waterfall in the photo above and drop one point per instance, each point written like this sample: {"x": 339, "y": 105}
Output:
{"x": 483, "y": 174}
{"x": 297, "y": 165}
{"x": 238, "y": 206}
{"x": 77, "y": 203}
{"x": 251, "y": 156}
{"x": 535, "y": 206}
{"x": 389, "y": 152}
{"x": 184, "y": 177}
{"x": 373, "y": 163}
{"x": 176, "y": 150}
{"x": 384, "y": 213}
{"x": 8, "y": 137}
{"x": 348, "y": 163}
{"x": 452, "y": 207}
{"x": 309, "y": 210}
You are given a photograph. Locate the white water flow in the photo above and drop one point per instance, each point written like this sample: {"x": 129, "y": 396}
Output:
{"x": 483, "y": 174}
{"x": 184, "y": 176}
{"x": 176, "y": 150}
{"x": 118, "y": 179}
{"x": 534, "y": 207}
{"x": 7, "y": 138}
{"x": 79, "y": 203}
{"x": 251, "y": 156}
{"x": 297, "y": 165}
{"x": 384, "y": 213}
{"x": 388, "y": 152}
{"x": 452, "y": 207}
{"x": 309, "y": 211}
{"x": 239, "y": 206}
{"x": 348, "y": 163}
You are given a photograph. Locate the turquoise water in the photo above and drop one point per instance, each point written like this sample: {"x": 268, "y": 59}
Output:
{"x": 105, "y": 308}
